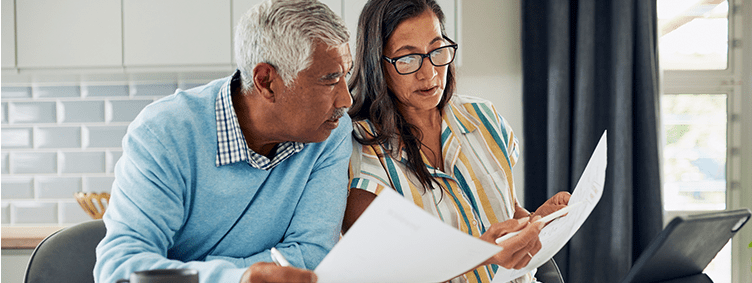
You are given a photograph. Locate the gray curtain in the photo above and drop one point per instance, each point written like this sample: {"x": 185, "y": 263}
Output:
{"x": 591, "y": 65}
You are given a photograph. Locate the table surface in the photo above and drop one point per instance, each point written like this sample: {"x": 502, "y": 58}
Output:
{"x": 23, "y": 237}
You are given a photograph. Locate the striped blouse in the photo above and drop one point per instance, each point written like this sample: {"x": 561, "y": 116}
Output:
{"x": 479, "y": 150}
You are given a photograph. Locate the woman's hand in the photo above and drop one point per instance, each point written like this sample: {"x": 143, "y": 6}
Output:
{"x": 558, "y": 201}
{"x": 263, "y": 272}
{"x": 518, "y": 250}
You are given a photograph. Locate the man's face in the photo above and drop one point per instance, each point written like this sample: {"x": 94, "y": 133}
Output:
{"x": 311, "y": 107}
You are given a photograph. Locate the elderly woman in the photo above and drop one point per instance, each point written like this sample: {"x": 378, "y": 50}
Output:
{"x": 451, "y": 155}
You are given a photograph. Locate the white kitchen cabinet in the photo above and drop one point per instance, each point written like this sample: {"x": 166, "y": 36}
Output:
{"x": 176, "y": 32}
{"x": 353, "y": 8}
{"x": 8, "y": 34}
{"x": 240, "y": 7}
{"x": 71, "y": 33}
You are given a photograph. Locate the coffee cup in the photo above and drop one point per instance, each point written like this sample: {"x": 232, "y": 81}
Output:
{"x": 163, "y": 276}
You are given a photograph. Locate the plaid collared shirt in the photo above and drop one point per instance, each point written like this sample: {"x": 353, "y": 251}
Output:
{"x": 231, "y": 144}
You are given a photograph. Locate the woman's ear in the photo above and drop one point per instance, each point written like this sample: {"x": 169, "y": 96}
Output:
{"x": 263, "y": 76}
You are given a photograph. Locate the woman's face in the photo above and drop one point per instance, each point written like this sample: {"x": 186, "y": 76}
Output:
{"x": 423, "y": 89}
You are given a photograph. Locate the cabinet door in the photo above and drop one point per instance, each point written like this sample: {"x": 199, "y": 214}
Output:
{"x": 240, "y": 7}
{"x": 352, "y": 9}
{"x": 176, "y": 32}
{"x": 8, "y": 34}
{"x": 71, "y": 33}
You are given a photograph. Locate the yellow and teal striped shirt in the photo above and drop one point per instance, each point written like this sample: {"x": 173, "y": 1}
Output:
{"x": 479, "y": 150}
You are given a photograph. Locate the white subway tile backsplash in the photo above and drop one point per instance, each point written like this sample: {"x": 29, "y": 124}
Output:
{"x": 106, "y": 136}
{"x": 56, "y": 91}
{"x": 157, "y": 90}
{"x": 57, "y": 137}
{"x": 32, "y": 112}
{"x": 5, "y": 213}
{"x": 16, "y": 137}
{"x": 25, "y": 162}
{"x": 125, "y": 110}
{"x": 17, "y": 188}
{"x": 57, "y": 187}
{"x": 82, "y": 162}
{"x": 58, "y": 140}
{"x": 16, "y": 92}
{"x": 71, "y": 213}
{"x": 4, "y": 113}
{"x": 112, "y": 158}
{"x": 82, "y": 111}
{"x": 98, "y": 184}
{"x": 104, "y": 90}
{"x": 28, "y": 212}
{"x": 187, "y": 86}
{"x": 5, "y": 163}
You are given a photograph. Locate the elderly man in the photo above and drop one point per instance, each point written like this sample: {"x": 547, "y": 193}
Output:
{"x": 213, "y": 177}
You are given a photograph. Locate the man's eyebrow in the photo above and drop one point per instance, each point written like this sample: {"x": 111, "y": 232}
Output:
{"x": 333, "y": 76}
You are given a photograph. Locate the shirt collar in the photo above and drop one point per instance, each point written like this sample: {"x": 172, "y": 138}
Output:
{"x": 466, "y": 122}
{"x": 231, "y": 144}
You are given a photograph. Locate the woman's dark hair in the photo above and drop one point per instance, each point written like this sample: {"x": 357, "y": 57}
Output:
{"x": 372, "y": 99}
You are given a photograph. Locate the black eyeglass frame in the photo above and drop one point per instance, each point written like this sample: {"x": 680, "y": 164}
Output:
{"x": 422, "y": 56}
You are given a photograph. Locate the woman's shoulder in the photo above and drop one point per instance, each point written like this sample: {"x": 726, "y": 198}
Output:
{"x": 363, "y": 128}
{"x": 459, "y": 99}
{"x": 473, "y": 106}
{"x": 479, "y": 109}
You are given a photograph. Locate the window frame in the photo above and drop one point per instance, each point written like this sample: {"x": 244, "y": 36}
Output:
{"x": 739, "y": 124}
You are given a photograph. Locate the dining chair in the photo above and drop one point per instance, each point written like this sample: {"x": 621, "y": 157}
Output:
{"x": 549, "y": 273}
{"x": 66, "y": 256}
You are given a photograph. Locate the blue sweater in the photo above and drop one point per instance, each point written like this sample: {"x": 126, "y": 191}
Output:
{"x": 171, "y": 207}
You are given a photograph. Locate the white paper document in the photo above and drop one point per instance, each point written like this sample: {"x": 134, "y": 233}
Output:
{"x": 556, "y": 234}
{"x": 396, "y": 241}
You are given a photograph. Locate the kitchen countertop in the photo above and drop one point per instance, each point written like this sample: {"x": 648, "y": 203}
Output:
{"x": 22, "y": 237}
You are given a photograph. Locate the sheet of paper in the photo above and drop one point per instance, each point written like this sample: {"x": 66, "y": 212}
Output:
{"x": 396, "y": 241}
{"x": 556, "y": 234}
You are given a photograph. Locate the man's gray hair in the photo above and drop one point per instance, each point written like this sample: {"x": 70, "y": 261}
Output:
{"x": 283, "y": 33}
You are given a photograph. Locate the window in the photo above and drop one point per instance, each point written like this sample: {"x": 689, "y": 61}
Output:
{"x": 694, "y": 34}
{"x": 701, "y": 101}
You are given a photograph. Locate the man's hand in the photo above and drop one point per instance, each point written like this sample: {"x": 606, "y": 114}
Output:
{"x": 558, "y": 201}
{"x": 267, "y": 272}
{"x": 518, "y": 250}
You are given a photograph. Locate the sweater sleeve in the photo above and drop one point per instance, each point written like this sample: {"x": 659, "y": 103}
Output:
{"x": 317, "y": 219}
{"x": 146, "y": 209}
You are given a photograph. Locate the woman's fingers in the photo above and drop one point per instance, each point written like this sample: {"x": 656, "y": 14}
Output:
{"x": 519, "y": 250}
{"x": 500, "y": 229}
{"x": 534, "y": 248}
{"x": 558, "y": 201}
{"x": 561, "y": 198}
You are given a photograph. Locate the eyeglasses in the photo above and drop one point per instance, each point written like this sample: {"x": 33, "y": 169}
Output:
{"x": 411, "y": 63}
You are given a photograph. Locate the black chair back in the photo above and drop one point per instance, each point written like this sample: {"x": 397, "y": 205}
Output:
{"x": 549, "y": 273}
{"x": 67, "y": 255}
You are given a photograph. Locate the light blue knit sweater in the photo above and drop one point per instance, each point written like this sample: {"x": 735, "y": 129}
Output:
{"x": 170, "y": 204}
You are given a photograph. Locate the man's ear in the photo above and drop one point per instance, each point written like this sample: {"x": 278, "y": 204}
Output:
{"x": 263, "y": 76}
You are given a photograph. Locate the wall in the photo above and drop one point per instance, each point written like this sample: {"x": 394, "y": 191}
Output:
{"x": 58, "y": 139}
{"x": 491, "y": 63}
{"x": 61, "y": 139}
{"x": 42, "y": 152}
